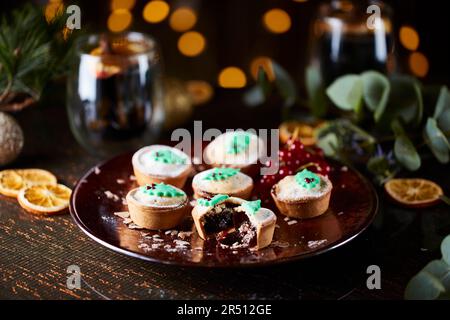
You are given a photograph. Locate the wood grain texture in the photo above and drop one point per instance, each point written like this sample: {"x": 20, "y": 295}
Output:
{"x": 36, "y": 251}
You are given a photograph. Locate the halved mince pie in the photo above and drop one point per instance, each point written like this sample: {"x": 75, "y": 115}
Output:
{"x": 237, "y": 149}
{"x": 159, "y": 163}
{"x": 157, "y": 206}
{"x": 234, "y": 222}
{"x": 305, "y": 195}
{"x": 227, "y": 181}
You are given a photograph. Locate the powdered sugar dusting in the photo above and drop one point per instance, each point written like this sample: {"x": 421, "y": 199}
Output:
{"x": 316, "y": 243}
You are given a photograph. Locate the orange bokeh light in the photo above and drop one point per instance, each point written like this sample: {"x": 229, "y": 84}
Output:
{"x": 191, "y": 43}
{"x": 277, "y": 21}
{"x": 119, "y": 20}
{"x": 156, "y": 11}
{"x": 232, "y": 77}
{"x": 418, "y": 64}
{"x": 262, "y": 62}
{"x": 409, "y": 38}
{"x": 183, "y": 19}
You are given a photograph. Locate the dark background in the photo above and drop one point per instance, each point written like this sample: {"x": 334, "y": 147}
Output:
{"x": 235, "y": 33}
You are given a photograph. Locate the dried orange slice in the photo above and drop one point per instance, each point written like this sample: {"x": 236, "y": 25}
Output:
{"x": 12, "y": 181}
{"x": 414, "y": 193}
{"x": 37, "y": 176}
{"x": 44, "y": 199}
{"x": 296, "y": 129}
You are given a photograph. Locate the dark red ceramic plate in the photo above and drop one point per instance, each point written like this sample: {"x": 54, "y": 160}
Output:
{"x": 352, "y": 208}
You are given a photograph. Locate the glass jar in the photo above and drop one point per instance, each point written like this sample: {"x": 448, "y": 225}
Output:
{"x": 351, "y": 37}
{"x": 114, "y": 99}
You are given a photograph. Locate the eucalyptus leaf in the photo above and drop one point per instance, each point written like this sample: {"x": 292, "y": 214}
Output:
{"x": 376, "y": 89}
{"x": 404, "y": 149}
{"x": 442, "y": 110}
{"x": 424, "y": 286}
{"x": 405, "y": 100}
{"x": 440, "y": 270}
{"x": 437, "y": 141}
{"x": 445, "y": 249}
{"x": 285, "y": 84}
{"x": 263, "y": 81}
{"x": 254, "y": 96}
{"x": 346, "y": 92}
{"x": 329, "y": 144}
{"x": 444, "y": 122}
{"x": 406, "y": 153}
{"x": 443, "y": 102}
{"x": 316, "y": 91}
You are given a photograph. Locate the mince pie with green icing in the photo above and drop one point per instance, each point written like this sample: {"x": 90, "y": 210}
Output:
{"x": 229, "y": 181}
{"x": 234, "y": 222}
{"x": 304, "y": 195}
{"x": 157, "y": 206}
{"x": 235, "y": 149}
{"x": 159, "y": 163}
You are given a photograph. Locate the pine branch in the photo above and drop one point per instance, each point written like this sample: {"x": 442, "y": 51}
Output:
{"x": 32, "y": 51}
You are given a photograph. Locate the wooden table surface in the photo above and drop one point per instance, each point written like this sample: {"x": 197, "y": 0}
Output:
{"x": 35, "y": 252}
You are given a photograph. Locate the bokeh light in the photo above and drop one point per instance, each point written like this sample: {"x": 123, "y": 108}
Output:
{"x": 232, "y": 77}
{"x": 418, "y": 64}
{"x": 156, "y": 11}
{"x": 277, "y": 21}
{"x": 122, "y": 4}
{"x": 183, "y": 19}
{"x": 409, "y": 38}
{"x": 262, "y": 62}
{"x": 119, "y": 20}
{"x": 191, "y": 43}
{"x": 200, "y": 91}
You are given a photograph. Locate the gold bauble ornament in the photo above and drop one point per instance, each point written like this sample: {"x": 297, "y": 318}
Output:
{"x": 11, "y": 139}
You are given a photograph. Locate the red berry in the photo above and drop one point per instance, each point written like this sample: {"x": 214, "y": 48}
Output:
{"x": 270, "y": 179}
{"x": 307, "y": 156}
{"x": 289, "y": 156}
{"x": 283, "y": 172}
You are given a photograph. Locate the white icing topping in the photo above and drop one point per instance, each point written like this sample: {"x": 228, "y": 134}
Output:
{"x": 155, "y": 201}
{"x": 146, "y": 164}
{"x": 232, "y": 184}
{"x": 217, "y": 151}
{"x": 289, "y": 190}
{"x": 262, "y": 217}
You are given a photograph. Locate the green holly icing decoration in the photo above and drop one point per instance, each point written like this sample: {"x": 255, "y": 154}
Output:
{"x": 161, "y": 190}
{"x": 252, "y": 206}
{"x": 213, "y": 201}
{"x": 238, "y": 142}
{"x": 307, "y": 179}
{"x": 219, "y": 174}
{"x": 167, "y": 156}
